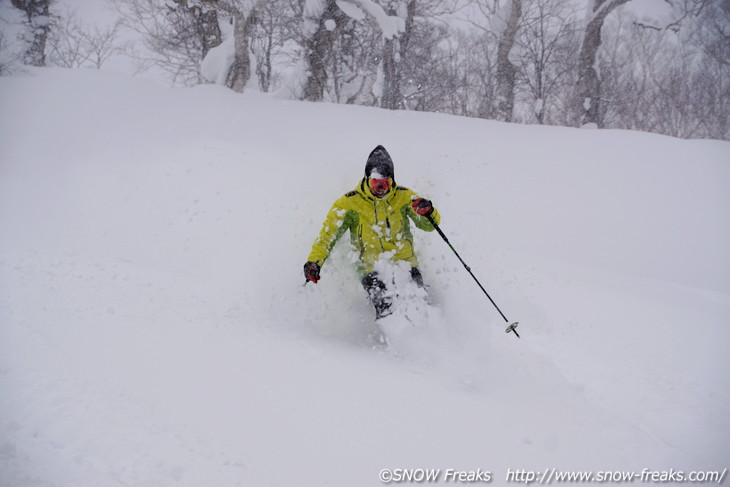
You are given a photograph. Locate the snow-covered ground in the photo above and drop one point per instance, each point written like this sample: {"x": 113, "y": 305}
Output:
{"x": 155, "y": 330}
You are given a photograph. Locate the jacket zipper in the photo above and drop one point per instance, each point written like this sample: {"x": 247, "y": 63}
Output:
{"x": 380, "y": 238}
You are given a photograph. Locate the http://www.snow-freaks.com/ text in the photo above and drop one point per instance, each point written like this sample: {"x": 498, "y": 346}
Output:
{"x": 549, "y": 476}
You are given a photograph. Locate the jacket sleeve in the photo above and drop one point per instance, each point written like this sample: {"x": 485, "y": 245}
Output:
{"x": 338, "y": 220}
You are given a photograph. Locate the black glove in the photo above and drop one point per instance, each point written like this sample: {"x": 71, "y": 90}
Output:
{"x": 422, "y": 206}
{"x": 311, "y": 272}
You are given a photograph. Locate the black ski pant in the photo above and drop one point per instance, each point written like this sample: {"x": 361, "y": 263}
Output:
{"x": 377, "y": 291}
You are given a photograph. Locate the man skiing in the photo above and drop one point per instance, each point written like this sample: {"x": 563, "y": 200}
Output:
{"x": 377, "y": 214}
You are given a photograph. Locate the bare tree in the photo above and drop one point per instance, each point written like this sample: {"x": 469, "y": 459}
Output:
{"x": 422, "y": 21}
{"x": 713, "y": 30}
{"x": 430, "y": 72}
{"x": 663, "y": 79}
{"x": 527, "y": 60}
{"x": 271, "y": 32}
{"x": 72, "y": 44}
{"x": 459, "y": 79}
{"x": 324, "y": 19}
{"x": 395, "y": 51}
{"x": 587, "y": 98}
{"x": 500, "y": 22}
{"x": 354, "y": 63}
{"x": 712, "y": 78}
{"x": 175, "y": 36}
{"x": 480, "y": 78}
{"x": 546, "y": 56}
{"x": 244, "y": 14}
{"x": 321, "y": 24}
{"x": 38, "y": 26}
{"x": 506, "y": 71}
{"x": 711, "y": 98}
{"x": 8, "y": 59}
{"x": 196, "y": 22}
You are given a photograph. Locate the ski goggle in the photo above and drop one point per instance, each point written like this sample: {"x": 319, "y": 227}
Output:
{"x": 380, "y": 186}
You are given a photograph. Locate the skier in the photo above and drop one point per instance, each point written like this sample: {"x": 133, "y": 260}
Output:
{"x": 377, "y": 215}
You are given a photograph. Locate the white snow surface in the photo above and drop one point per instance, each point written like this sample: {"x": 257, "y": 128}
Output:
{"x": 155, "y": 330}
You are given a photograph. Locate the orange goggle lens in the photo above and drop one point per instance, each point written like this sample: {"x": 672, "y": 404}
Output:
{"x": 380, "y": 185}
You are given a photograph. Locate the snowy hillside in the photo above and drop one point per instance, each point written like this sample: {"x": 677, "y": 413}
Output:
{"x": 155, "y": 330}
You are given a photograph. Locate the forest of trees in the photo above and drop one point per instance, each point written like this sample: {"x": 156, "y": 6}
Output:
{"x": 600, "y": 63}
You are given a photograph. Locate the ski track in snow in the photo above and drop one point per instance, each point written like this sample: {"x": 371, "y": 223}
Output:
{"x": 154, "y": 329}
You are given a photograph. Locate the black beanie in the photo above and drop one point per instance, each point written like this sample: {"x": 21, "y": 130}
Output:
{"x": 379, "y": 161}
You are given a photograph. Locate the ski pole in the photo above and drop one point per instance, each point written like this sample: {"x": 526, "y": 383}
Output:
{"x": 512, "y": 327}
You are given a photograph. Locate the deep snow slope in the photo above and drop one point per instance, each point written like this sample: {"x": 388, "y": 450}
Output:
{"x": 154, "y": 329}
